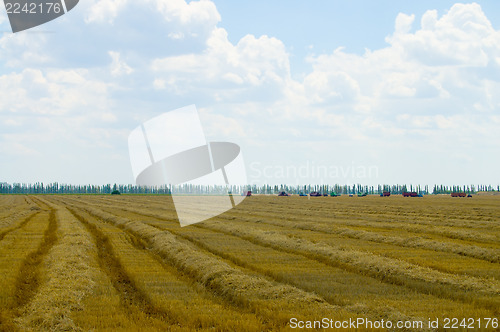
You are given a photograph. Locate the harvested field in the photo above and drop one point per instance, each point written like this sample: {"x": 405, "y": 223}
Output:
{"x": 108, "y": 263}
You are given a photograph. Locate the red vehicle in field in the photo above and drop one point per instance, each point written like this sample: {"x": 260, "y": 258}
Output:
{"x": 410, "y": 194}
{"x": 385, "y": 194}
{"x": 458, "y": 195}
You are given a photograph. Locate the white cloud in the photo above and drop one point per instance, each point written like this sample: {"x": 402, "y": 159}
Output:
{"x": 22, "y": 50}
{"x": 159, "y": 84}
{"x": 430, "y": 63}
{"x": 188, "y": 19}
{"x": 331, "y": 87}
{"x": 53, "y": 92}
{"x": 118, "y": 67}
{"x": 403, "y": 24}
{"x": 463, "y": 36}
{"x": 105, "y": 10}
{"x": 224, "y": 69}
{"x": 49, "y": 106}
{"x": 193, "y": 13}
{"x": 16, "y": 148}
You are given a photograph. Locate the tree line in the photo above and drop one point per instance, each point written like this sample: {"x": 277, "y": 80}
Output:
{"x": 56, "y": 188}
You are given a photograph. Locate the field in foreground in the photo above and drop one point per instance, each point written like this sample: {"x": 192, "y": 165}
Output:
{"x": 121, "y": 263}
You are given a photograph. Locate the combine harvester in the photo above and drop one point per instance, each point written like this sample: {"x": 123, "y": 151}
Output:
{"x": 412, "y": 194}
{"x": 457, "y": 194}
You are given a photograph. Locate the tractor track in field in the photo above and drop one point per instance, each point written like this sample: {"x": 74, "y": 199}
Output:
{"x": 381, "y": 221}
{"x": 451, "y": 290}
{"x": 385, "y": 219}
{"x": 487, "y": 254}
{"x": 28, "y": 280}
{"x": 472, "y": 251}
{"x": 9, "y": 215}
{"x": 414, "y": 227}
{"x": 423, "y": 287}
{"x": 238, "y": 262}
{"x": 16, "y": 213}
{"x": 351, "y": 263}
{"x": 145, "y": 303}
{"x": 136, "y": 241}
{"x": 350, "y": 230}
{"x": 21, "y": 225}
{"x": 131, "y": 297}
{"x": 221, "y": 283}
{"x": 290, "y": 248}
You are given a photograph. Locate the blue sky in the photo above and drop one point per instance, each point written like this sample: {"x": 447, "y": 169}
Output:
{"x": 314, "y": 92}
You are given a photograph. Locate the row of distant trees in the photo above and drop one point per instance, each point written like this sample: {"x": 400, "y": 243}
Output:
{"x": 56, "y": 188}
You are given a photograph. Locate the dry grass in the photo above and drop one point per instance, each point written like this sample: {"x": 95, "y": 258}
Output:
{"x": 455, "y": 254}
{"x": 404, "y": 240}
{"x": 382, "y": 267}
{"x": 253, "y": 292}
{"x": 14, "y": 212}
{"x": 147, "y": 286}
{"x": 18, "y": 250}
{"x": 67, "y": 279}
{"x": 123, "y": 263}
{"x": 392, "y": 271}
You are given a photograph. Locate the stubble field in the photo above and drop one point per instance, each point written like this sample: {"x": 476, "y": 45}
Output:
{"x": 123, "y": 263}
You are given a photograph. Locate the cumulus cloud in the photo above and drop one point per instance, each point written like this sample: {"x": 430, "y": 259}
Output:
{"x": 187, "y": 19}
{"x": 56, "y": 92}
{"x": 463, "y": 36}
{"x": 195, "y": 14}
{"x": 118, "y": 66}
{"x": 224, "y": 69}
{"x": 105, "y": 10}
{"x": 435, "y": 61}
{"x": 331, "y": 87}
{"x": 23, "y": 50}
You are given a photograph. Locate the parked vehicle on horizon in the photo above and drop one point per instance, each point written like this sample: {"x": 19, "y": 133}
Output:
{"x": 411, "y": 194}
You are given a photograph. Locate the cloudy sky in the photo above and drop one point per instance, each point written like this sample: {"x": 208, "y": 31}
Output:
{"x": 314, "y": 92}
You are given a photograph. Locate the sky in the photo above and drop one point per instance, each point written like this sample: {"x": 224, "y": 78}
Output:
{"x": 320, "y": 92}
